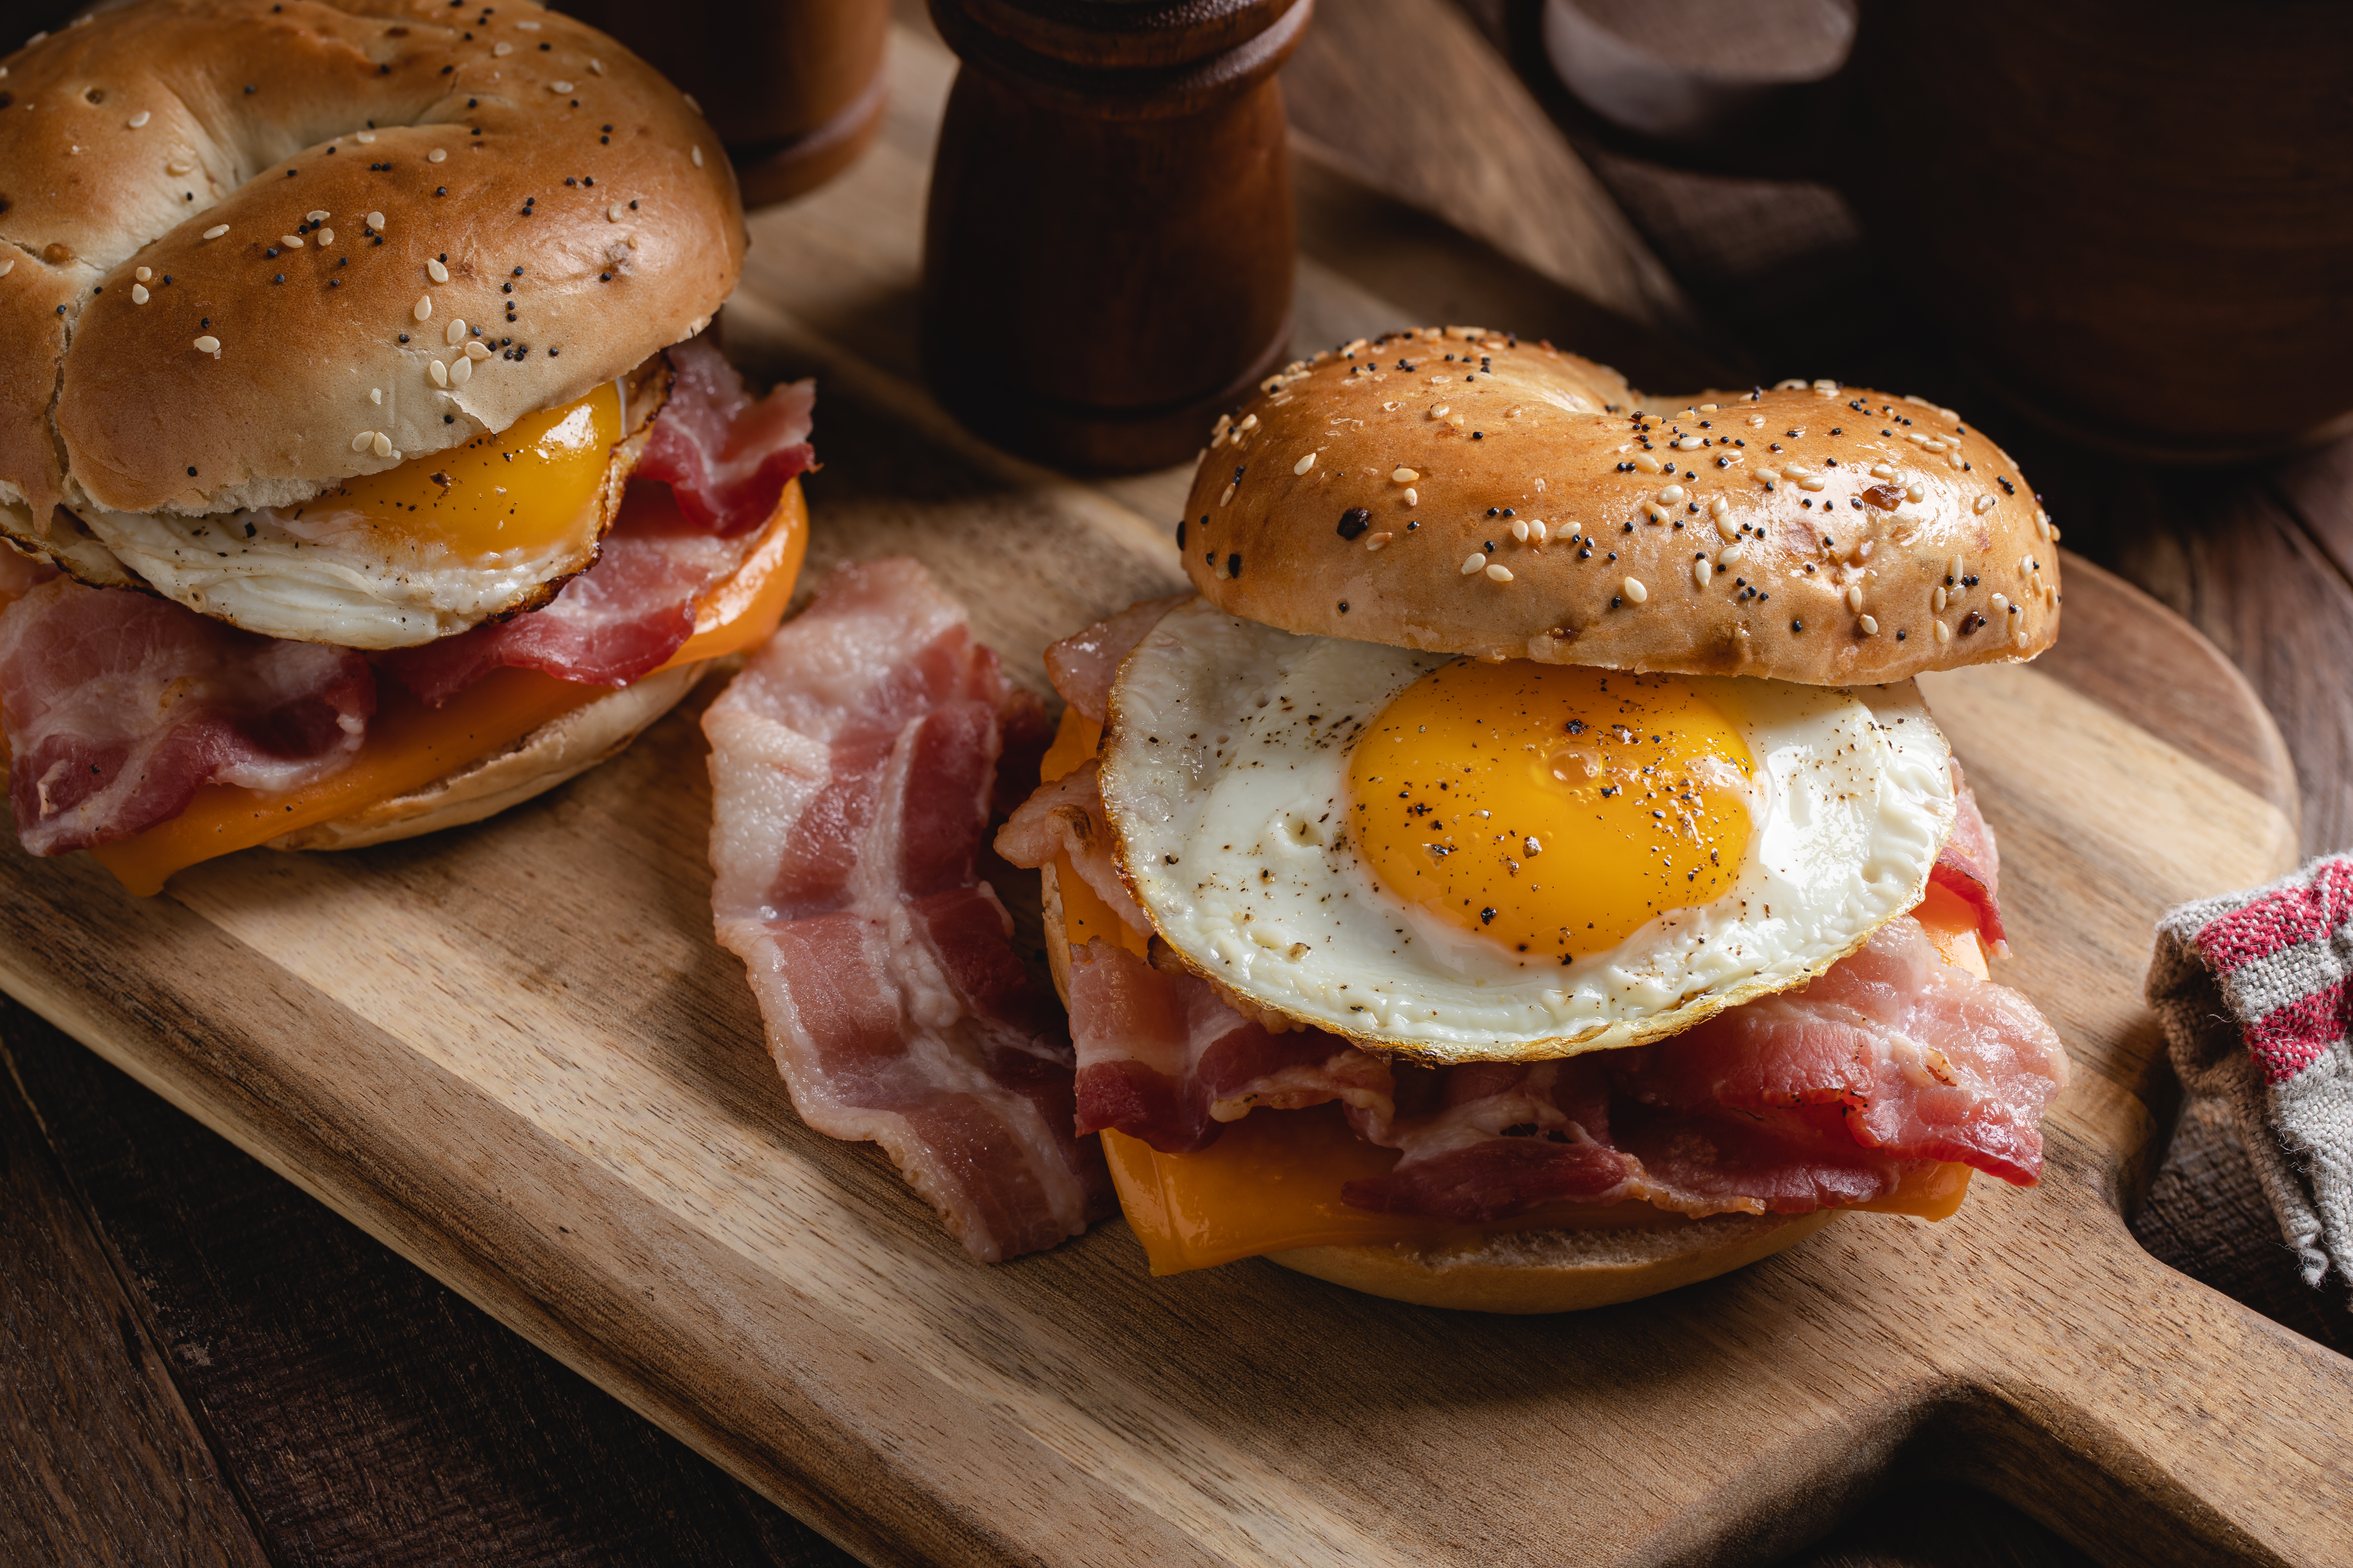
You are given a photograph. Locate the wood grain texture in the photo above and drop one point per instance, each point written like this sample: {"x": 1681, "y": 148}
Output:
{"x": 513, "y": 1052}
{"x": 363, "y": 1411}
{"x": 99, "y": 1459}
{"x": 612, "y": 1168}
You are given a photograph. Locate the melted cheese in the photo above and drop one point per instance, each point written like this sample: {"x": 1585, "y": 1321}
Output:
{"x": 409, "y": 745}
{"x": 1271, "y": 1181}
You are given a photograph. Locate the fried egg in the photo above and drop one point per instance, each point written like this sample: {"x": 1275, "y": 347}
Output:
{"x": 401, "y": 557}
{"x": 1469, "y": 861}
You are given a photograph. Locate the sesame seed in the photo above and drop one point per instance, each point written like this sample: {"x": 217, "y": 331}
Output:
{"x": 1812, "y": 482}
{"x": 376, "y": 396}
{"x": 1882, "y": 471}
{"x": 1405, "y": 476}
{"x": 1671, "y": 495}
{"x": 1688, "y": 444}
{"x": 2000, "y": 605}
{"x": 361, "y": 441}
{"x": 1304, "y": 464}
{"x": 381, "y": 444}
{"x": 1375, "y": 541}
{"x": 1473, "y": 562}
{"x": 424, "y": 310}
{"x": 1732, "y": 556}
{"x": 1936, "y": 600}
{"x": 321, "y": 216}
{"x": 1986, "y": 503}
{"x": 1499, "y": 574}
{"x": 438, "y": 370}
{"x": 139, "y": 293}
{"x": 461, "y": 371}
{"x": 1701, "y": 572}
{"x": 208, "y": 344}
{"x": 1228, "y": 497}
{"x": 138, "y": 120}
{"x": 456, "y": 332}
{"x": 438, "y": 155}
{"x": 1635, "y": 590}
{"x": 613, "y": 215}
{"x": 1943, "y": 632}
{"x": 566, "y": 87}
{"x": 364, "y": 138}
{"x": 596, "y": 65}
{"x": 501, "y": 49}
{"x": 1870, "y": 628}
{"x": 434, "y": 270}
{"x": 376, "y": 222}
{"x": 477, "y": 351}
{"x": 217, "y": 231}
{"x": 1855, "y": 598}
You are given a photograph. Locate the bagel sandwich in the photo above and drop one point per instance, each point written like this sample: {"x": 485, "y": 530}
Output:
{"x": 1521, "y": 875}
{"x": 368, "y": 461}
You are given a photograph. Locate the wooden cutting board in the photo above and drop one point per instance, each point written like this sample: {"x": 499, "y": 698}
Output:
{"x": 513, "y": 1052}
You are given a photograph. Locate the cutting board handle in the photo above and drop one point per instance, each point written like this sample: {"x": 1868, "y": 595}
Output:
{"x": 2149, "y": 1418}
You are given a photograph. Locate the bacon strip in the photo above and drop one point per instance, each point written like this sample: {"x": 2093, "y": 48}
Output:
{"x": 715, "y": 464}
{"x": 1162, "y": 1058}
{"x": 851, "y": 768}
{"x": 1066, "y": 818}
{"x": 120, "y": 706}
{"x": 1826, "y": 1095}
{"x": 1085, "y": 665}
{"x": 728, "y": 456}
{"x": 1971, "y": 864}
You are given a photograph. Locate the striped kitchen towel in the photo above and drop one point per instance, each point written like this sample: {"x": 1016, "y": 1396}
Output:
{"x": 2252, "y": 991}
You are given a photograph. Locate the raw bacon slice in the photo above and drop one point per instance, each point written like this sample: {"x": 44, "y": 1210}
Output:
{"x": 715, "y": 465}
{"x": 1161, "y": 1057}
{"x": 727, "y": 456}
{"x": 1084, "y": 666}
{"x": 120, "y": 706}
{"x": 851, "y": 767}
{"x": 1971, "y": 864}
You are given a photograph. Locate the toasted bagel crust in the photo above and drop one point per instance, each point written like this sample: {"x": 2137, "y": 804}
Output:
{"x": 1558, "y": 1270}
{"x": 569, "y": 191}
{"x": 1352, "y": 493}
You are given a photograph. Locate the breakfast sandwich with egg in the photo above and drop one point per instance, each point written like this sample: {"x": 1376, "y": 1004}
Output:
{"x": 368, "y": 465}
{"x": 1524, "y": 874}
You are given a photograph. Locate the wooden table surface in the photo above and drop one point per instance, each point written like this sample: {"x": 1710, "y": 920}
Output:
{"x": 197, "y": 1363}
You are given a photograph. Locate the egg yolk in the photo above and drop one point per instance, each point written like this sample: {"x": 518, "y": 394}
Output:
{"x": 1551, "y": 808}
{"x": 531, "y": 487}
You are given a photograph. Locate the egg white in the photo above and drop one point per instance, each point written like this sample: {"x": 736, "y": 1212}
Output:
{"x": 320, "y": 574}
{"x": 1225, "y": 776}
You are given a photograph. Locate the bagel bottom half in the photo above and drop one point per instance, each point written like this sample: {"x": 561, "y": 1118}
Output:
{"x": 559, "y": 750}
{"x": 1521, "y": 1271}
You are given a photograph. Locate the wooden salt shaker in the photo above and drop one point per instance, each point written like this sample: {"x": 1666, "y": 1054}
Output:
{"x": 794, "y": 88}
{"x": 1108, "y": 257}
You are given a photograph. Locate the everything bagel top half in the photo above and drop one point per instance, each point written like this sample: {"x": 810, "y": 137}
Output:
{"x": 343, "y": 322}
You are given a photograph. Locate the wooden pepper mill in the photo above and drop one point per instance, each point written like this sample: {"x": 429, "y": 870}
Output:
{"x": 794, "y": 88}
{"x": 1108, "y": 257}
